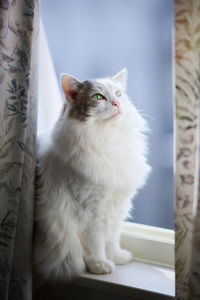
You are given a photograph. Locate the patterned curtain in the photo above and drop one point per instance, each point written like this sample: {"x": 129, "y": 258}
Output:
{"x": 187, "y": 203}
{"x": 18, "y": 103}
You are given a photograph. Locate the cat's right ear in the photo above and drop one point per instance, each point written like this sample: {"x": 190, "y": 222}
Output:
{"x": 70, "y": 86}
{"x": 121, "y": 78}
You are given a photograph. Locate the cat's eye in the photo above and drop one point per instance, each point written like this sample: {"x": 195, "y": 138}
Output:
{"x": 118, "y": 93}
{"x": 98, "y": 97}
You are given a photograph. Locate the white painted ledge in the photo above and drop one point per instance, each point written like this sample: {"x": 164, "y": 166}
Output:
{"x": 149, "y": 244}
{"x": 136, "y": 279}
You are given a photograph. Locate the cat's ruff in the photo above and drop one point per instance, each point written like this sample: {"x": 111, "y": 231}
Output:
{"x": 87, "y": 175}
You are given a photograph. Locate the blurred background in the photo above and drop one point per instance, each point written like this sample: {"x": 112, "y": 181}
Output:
{"x": 97, "y": 38}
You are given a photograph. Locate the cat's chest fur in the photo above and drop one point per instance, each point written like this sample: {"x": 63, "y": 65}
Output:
{"x": 112, "y": 156}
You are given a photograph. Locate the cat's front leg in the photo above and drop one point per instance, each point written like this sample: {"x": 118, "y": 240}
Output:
{"x": 114, "y": 251}
{"x": 94, "y": 248}
{"x": 118, "y": 255}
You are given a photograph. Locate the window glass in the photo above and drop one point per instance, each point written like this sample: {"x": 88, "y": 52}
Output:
{"x": 92, "y": 38}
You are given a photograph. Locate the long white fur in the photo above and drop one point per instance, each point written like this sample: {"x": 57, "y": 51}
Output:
{"x": 90, "y": 172}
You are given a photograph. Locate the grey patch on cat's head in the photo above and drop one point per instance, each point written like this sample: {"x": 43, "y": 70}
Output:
{"x": 83, "y": 102}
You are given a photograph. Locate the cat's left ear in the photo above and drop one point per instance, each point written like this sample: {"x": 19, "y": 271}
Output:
{"x": 70, "y": 86}
{"x": 121, "y": 78}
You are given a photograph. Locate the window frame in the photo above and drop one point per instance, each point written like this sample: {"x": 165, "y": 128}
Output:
{"x": 149, "y": 244}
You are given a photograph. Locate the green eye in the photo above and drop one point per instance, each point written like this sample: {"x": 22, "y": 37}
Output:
{"x": 118, "y": 93}
{"x": 97, "y": 97}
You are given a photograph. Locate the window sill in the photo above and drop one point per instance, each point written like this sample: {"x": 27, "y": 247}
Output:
{"x": 150, "y": 276}
{"x": 149, "y": 244}
{"x": 138, "y": 280}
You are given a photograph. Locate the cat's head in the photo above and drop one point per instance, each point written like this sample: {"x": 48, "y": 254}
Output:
{"x": 100, "y": 99}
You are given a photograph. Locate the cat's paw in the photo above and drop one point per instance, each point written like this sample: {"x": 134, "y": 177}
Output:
{"x": 122, "y": 257}
{"x": 103, "y": 266}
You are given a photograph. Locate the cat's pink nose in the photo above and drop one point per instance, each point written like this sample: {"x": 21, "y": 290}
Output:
{"x": 116, "y": 103}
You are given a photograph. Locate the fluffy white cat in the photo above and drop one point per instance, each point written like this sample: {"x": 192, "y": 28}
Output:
{"x": 87, "y": 175}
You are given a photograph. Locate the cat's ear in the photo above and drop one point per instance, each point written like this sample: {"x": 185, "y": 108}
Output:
{"x": 121, "y": 78}
{"x": 70, "y": 86}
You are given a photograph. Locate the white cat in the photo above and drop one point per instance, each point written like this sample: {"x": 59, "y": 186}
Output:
{"x": 87, "y": 175}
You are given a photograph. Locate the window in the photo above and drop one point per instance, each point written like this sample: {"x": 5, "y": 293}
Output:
{"x": 98, "y": 38}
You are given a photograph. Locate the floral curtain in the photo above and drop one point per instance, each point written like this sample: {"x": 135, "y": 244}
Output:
{"x": 18, "y": 103}
{"x": 187, "y": 203}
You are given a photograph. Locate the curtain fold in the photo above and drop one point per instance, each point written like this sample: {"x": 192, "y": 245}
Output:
{"x": 187, "y": 200}
{"x": 19, "y": 28}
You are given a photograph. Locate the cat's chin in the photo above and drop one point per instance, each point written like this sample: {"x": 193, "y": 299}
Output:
{"x": 115, "y": 115}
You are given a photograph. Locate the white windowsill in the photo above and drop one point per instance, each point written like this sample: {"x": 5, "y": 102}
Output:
{"x": 149, "y": 244}
{"x": 151, "y": 275}
{"x": 136, "y": 279}
{"x": 140, "y": 280}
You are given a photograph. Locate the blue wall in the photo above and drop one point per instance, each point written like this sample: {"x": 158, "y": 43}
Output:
{"x": 97, "y": 38}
